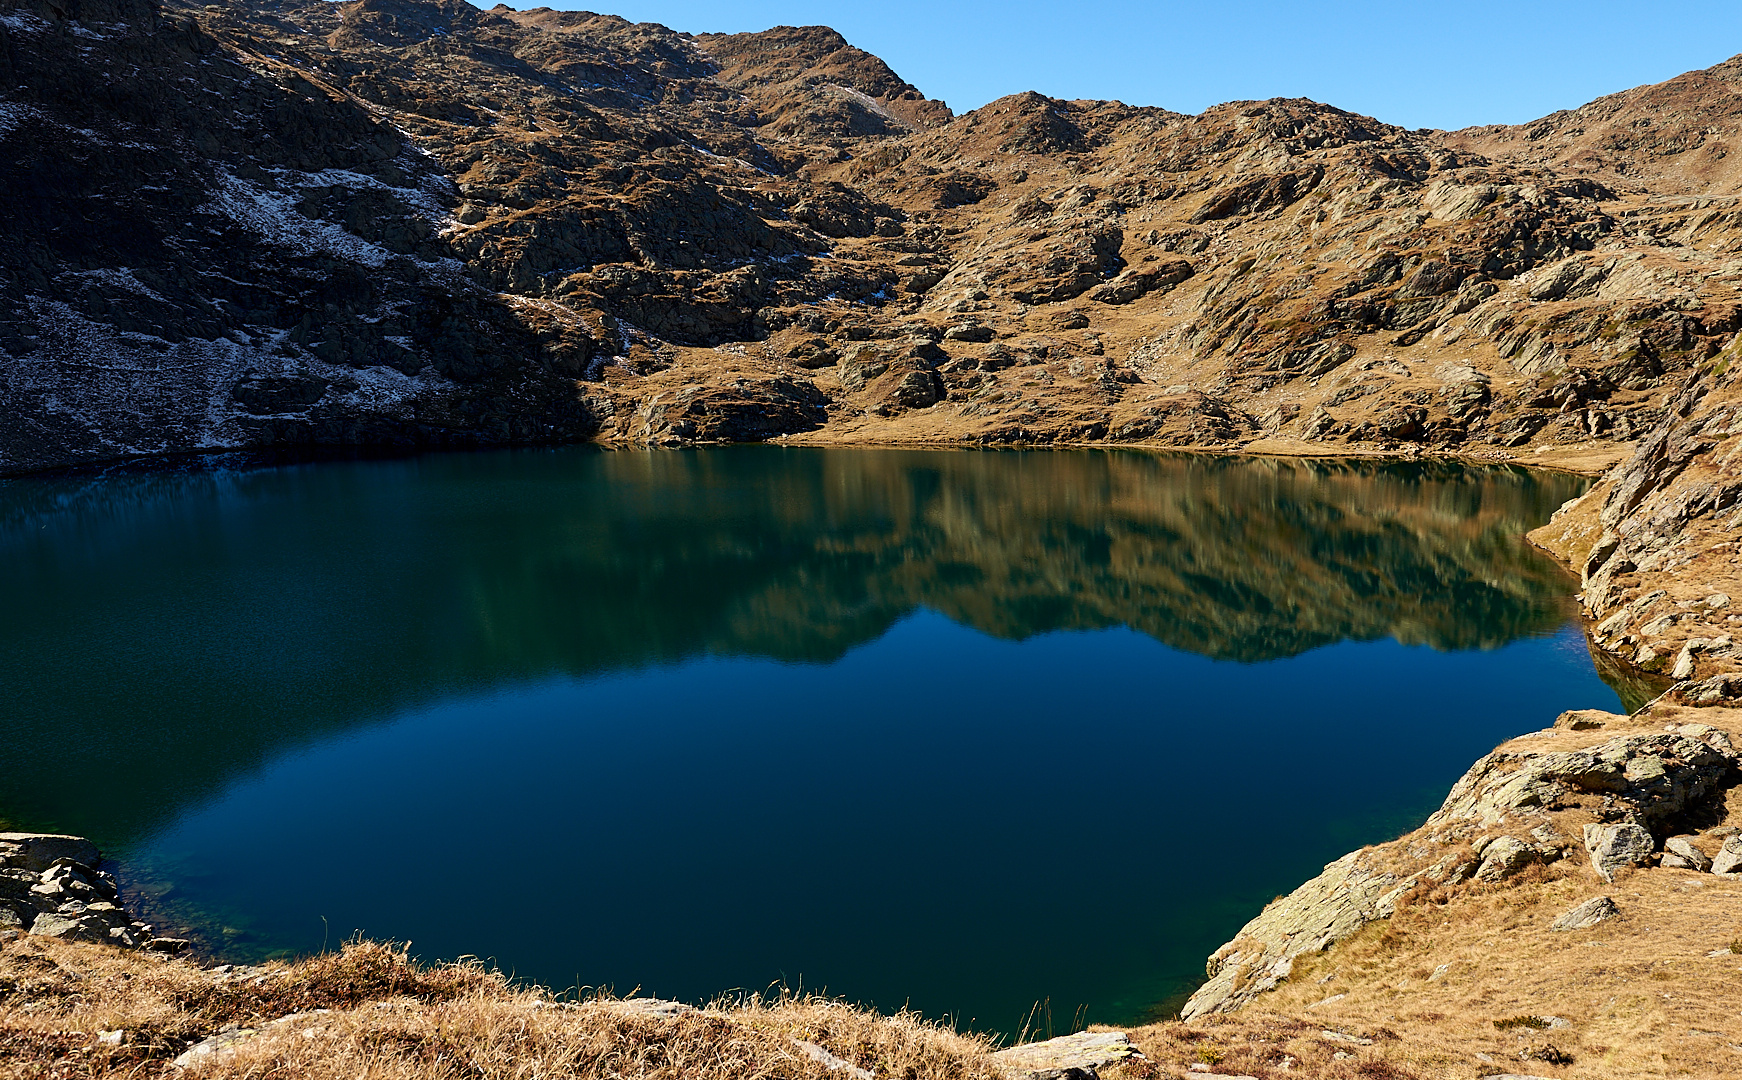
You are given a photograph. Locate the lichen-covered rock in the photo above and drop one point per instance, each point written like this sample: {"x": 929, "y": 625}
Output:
{"x": 1505, "y": 856}
{"x": 1322, "y": 912}
{"x": 1613, "y": 847}
{"x": 1729, "y": 857}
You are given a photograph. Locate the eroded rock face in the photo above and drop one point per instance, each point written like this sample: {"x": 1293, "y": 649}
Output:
{"x": 1504, "y": 813}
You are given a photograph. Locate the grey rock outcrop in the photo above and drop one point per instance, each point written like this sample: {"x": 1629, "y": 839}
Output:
{"x": 49, "y": 888}
{"x": 1583, "y": 916}
{"x": 1327, "y": 909}
{"x": 1613, "y": 847}
{"x": 1505, "y": 856}
{"x": 1642, "y": 779}
{"x": 38, "y": 851}
{"x": 1635, "y": 783}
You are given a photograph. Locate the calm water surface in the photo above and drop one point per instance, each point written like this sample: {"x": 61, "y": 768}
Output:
{"x": 964, "y": 731}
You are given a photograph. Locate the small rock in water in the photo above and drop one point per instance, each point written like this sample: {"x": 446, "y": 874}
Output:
{"x": 170, "y": 945}
{"x": 1588, "y": 914}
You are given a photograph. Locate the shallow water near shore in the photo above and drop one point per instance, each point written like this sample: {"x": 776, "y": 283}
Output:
{"x": 966, "y": 731}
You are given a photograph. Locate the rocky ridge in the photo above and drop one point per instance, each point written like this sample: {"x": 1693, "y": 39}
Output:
{"x": 1589, "y": 802}
{"x": 418, "y": 223}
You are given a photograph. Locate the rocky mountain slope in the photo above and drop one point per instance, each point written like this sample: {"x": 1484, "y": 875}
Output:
{"x": 414, "y": 222}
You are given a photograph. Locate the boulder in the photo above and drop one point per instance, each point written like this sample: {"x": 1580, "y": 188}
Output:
{"x": 1680, "y": 852}
{"x": 917, "y": 390}
{"x": 1729, "y": 858}
{"x": 970, "y": 332}
{"x": 1586, "y": 915}
{"x": 1614, "y": 846}
{"x": 1586, "y": 719}
{"x": 38, "y": 851}
{"x": 1505, "y": 856}
{"x": 1080, "y": 1054}
{"x": 74, "y": 925}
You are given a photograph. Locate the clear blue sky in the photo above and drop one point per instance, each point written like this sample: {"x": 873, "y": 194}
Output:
{"x": 1416, "y": 64}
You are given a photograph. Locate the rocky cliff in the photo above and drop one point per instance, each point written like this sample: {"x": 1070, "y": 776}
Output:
{"x": 412, "y": 222}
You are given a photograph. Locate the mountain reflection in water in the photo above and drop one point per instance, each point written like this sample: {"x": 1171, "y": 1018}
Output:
{"x": 174, "y": 634}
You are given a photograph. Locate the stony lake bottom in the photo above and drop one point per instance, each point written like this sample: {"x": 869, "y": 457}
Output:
{"x": 1005, "y": 737}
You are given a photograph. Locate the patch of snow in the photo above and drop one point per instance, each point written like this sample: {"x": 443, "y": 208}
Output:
{"x": 12, "y": 114}
{"x": 24, "y": 22}
{"x": 117, "y": 277}
{"x": 273, "y": 216}
{"x": 132, "y": 393}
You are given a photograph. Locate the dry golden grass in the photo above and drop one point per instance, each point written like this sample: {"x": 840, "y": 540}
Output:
{"x": 389, "y": 1018}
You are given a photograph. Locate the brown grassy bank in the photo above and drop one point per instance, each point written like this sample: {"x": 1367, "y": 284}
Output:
{"x": 371, "y": 1013}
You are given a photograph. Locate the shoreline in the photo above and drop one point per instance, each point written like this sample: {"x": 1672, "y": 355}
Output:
{"x": 1589, "y": 460}
{"x": 1535, "y": 884}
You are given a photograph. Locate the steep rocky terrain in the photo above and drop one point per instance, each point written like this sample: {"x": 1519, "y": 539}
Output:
{"x": 412, "y": 221}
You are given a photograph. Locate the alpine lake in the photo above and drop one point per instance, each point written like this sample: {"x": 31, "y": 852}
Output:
{"x": 1006, "y": 737}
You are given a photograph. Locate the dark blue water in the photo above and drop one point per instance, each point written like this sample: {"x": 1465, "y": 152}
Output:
{"x": 961, "y": 731}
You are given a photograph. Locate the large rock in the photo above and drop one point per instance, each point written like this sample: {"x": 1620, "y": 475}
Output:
{"x": 1586, "y": 915}
{"x": 78, "y": 926}
{"x": 1076, "y": 1055}
{"x": 1680, "y": 853}
{"x": 1615, "y": 846}
{"x": 38, "y": 851}
{"x": 1729, "y": 858}
{"x": 1505, "y": 856}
